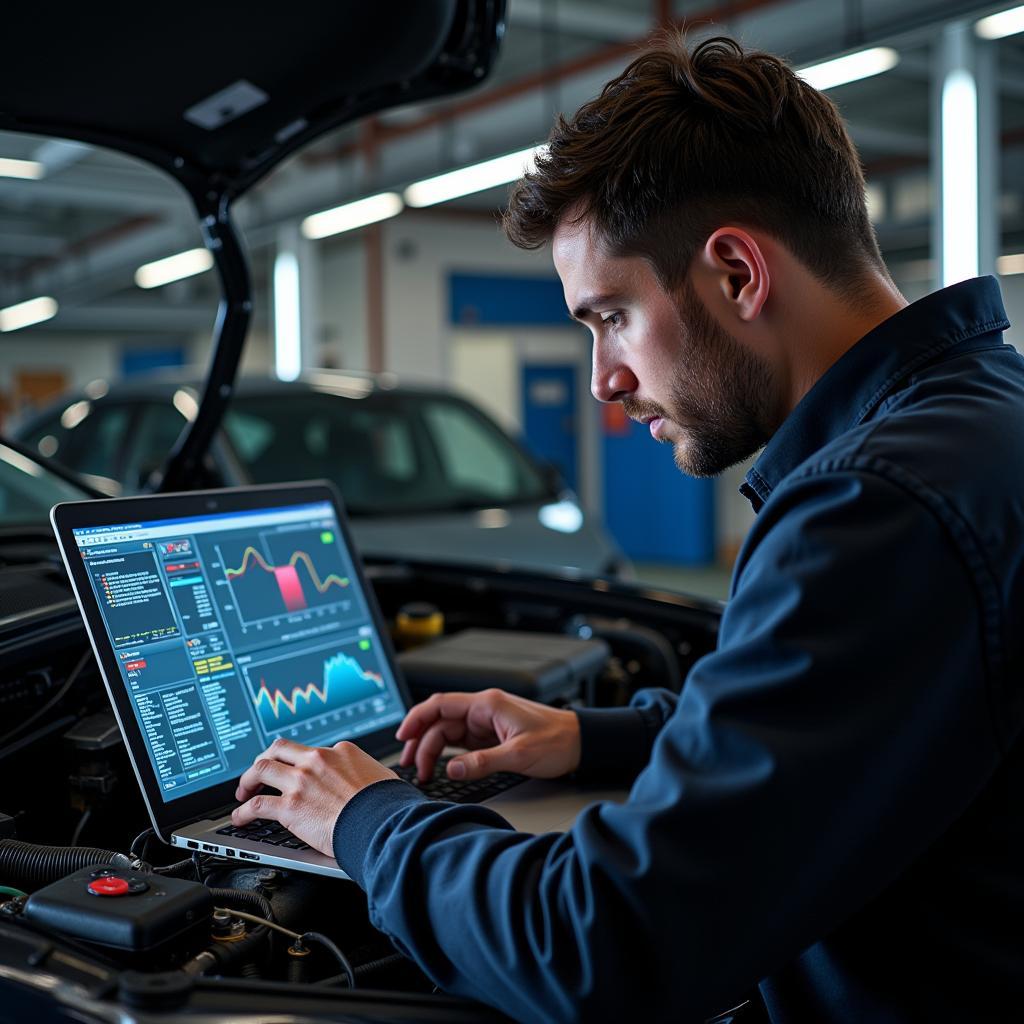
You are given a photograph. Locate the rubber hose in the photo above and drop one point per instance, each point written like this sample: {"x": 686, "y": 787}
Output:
{"x": 370, "y": 967}
{"x": 179, "y": 869}
{"x": 29, "y": 866}
{"x": 228, "y": 954}
{"x": 244, "y": 899}
{"x": 391, "y": 960}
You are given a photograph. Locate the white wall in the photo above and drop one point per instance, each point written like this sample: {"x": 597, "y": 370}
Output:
{"x": 420, "y": 251}
{"x": 343, "y": 328}
{"x": 1012, "y": 288}
{"x": 82, "y": 357}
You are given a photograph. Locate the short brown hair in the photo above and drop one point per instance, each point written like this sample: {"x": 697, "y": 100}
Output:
{"x": 682, "y": 142}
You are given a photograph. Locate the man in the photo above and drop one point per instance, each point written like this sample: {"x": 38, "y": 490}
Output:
{"x": 834, "y": 805}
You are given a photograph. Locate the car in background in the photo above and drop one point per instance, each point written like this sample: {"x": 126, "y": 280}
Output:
{"x": 423, "y": 472}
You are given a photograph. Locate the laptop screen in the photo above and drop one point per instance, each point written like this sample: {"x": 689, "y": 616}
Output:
{"x": 234, "y": 628}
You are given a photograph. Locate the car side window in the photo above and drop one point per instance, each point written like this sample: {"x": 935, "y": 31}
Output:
{"x": 156, "y": 433}
{"x": 85, "y": 437}
{"x": 49, "y": 438}
{"x": 476, "y": 460}
{"x": 99, "y": 440}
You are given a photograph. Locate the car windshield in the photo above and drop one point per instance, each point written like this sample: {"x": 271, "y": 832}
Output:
{"x": 388, "y": 453}
{"x": 28, "y": 491}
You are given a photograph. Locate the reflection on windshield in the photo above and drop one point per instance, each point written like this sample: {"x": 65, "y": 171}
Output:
{"x": 389, "y": 453}
{"x": 27, "y": 491}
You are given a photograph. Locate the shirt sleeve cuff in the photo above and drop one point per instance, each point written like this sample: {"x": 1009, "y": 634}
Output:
{"x": 363, "y": 815}
{"x": 615, "y": 744}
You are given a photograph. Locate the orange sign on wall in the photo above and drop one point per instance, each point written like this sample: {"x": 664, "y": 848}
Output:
{"x": 614, "y": 419}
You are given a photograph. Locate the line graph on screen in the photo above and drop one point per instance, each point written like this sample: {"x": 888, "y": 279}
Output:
{"x": 290, "y": 690}
{"x": 285, "y": 573}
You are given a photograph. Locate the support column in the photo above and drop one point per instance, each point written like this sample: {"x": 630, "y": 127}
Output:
{"x": 296, "y": 302}
{"x": 965, "y": 155}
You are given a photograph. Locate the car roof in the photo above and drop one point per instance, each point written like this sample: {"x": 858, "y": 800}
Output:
{"x": 162, "y": 385}
{"x": 111, "y": 74}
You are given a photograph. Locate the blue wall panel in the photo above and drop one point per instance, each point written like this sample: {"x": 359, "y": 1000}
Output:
{"x": 655, "y": 512}
{"x": 136, "y": 361}
{"x": 497, "y": 300}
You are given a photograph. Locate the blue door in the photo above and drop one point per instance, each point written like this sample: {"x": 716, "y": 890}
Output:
{"x": 655, "y": 512}
{"x": 549, "y": 415}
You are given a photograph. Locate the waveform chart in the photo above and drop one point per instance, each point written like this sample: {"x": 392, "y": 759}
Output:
{"x": 337, "y": 680}
{"x": 285, "y": 573}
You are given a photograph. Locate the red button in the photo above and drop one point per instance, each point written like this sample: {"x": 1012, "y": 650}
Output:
{"x": 108, "y": 886}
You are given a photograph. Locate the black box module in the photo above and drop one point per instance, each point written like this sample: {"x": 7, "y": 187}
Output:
{"x": 542, "y": 666}
{"x": 120, "y": 909}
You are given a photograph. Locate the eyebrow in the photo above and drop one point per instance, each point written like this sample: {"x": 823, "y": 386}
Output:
{"x": 587, "y": 306}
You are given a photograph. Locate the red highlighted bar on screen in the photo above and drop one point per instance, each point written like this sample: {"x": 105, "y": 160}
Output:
{"x": 290, "y": 585}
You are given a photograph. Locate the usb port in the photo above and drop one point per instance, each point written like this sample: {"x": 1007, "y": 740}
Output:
{"x": 207, "y": 846}
{"x": 247, "y": 856}
{"x": 191, "y": 845}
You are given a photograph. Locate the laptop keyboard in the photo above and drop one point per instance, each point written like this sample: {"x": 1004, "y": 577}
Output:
{"x": 439, "y": 787}
{"x": 273, "y": 833}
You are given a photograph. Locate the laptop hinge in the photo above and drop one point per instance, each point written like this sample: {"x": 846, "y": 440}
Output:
{"x": 212, "y": 815}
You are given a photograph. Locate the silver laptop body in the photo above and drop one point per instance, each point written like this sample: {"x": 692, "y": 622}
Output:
{"x": 222, "y": 619}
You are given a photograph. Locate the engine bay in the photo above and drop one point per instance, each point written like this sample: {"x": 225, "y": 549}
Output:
{"x": 98, "y": 917}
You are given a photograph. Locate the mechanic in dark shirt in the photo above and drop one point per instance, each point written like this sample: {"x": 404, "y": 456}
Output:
{"x": 834, "y": 805}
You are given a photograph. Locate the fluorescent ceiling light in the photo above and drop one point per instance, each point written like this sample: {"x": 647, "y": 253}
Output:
{"x": 475, "y": 178}
{"x": 352, "y": 215}
{"x": 31, "y": 169}
{"x": 959, "y": 177}
{"x": 173, "y": 268}
{"x": 998, "y": 26}
{"x": 35, "y": 311}
{"x": 854, "y": 66}
{"x": 287, "y": 317}
{"x": 1012, "y": 263}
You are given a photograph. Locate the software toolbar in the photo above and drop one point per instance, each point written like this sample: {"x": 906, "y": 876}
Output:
{"x": 230, "y": 630}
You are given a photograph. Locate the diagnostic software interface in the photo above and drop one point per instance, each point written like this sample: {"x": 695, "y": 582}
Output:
{"x": 233, "y": 629}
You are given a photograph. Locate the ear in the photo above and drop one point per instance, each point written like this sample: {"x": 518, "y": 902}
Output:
{"x": 736, "y": 264}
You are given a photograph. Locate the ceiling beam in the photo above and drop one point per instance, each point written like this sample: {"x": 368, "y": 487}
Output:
{"x": 587, "y": 21}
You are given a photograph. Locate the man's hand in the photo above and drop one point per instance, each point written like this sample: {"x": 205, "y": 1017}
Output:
{"x": 505, "y": 734}
{"x": 315, "y": 784}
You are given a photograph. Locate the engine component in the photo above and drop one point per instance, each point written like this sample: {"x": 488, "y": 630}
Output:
{"x": 542, "y": 666}
{"x": 122, "y": 910}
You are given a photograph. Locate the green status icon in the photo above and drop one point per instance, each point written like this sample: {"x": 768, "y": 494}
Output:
{"x": 364, "y": 645}
{"x": 327, "y": 537}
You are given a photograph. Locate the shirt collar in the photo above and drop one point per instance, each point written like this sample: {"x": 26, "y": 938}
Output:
{"x": 847, "y": 393}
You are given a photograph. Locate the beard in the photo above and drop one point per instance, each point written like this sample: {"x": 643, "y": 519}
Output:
{"x": 720, "y": 393}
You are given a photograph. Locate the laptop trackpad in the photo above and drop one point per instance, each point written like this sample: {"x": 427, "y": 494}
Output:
{"x": 542, "y": 805}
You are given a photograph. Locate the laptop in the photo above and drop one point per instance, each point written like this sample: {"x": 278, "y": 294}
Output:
{"x": 222, "y": 620}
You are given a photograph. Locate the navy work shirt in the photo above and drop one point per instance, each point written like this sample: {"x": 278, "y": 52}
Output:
{"x": 834, "y": 806}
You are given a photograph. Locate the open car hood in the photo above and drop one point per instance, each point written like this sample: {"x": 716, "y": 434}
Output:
{"x": 261, "y": 81}
{"x": 217, "y": 95}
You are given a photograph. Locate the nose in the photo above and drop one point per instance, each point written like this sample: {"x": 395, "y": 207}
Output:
{"x": 611, "y": 379}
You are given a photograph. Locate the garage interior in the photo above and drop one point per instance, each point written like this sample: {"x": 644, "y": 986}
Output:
{"x": 431, "y": 292}
{"x": 399, "y": 347}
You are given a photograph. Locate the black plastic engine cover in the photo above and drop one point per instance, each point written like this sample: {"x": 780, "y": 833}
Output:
{"x": 121, "y": 910}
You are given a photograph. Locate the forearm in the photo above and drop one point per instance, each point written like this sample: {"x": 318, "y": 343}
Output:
{"x": 616, "y": 743}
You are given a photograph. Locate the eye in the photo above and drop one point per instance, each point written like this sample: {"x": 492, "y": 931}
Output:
{"x": 614, "y": 319}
